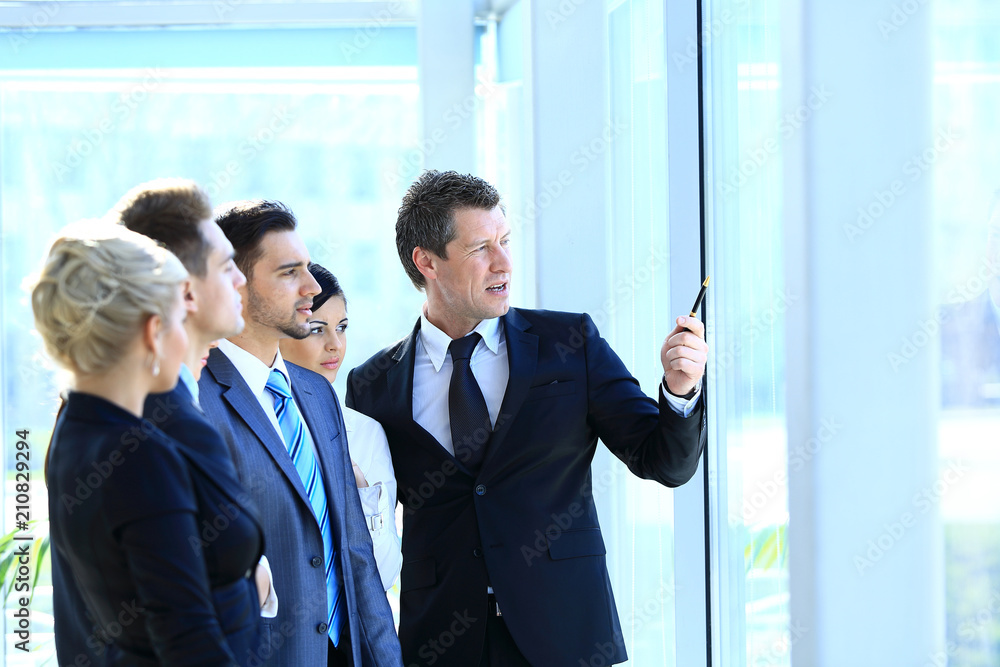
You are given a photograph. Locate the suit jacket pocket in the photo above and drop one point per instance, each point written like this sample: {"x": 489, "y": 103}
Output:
{"x": 553, "y": 389}
{"x": 417, "y": 574}
{"x": 576, "y": 543}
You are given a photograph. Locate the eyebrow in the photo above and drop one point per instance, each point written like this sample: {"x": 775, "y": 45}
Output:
{"x": 290, "y": 265}
{"x": 225, "y": 260}
{"x": 326, "y": 324}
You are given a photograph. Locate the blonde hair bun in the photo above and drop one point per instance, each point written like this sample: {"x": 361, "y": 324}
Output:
{"x": 98, "y": 286}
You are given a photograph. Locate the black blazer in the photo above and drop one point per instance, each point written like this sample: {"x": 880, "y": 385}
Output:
{"x": 527, "y": 523}
{"x": 153, "y": 539}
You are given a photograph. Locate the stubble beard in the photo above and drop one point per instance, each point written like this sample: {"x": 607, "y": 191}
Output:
{"x": 265, "y": 315}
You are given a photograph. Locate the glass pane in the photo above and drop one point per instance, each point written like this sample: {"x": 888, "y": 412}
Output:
{"x": 641, "y": 558}
{"x": 748, "y": 299}
{"x": 966, "y": 92}
{"x": 336, "y": 144}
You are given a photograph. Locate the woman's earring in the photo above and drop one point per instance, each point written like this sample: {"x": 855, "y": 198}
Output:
{"x": 155, "y": 364}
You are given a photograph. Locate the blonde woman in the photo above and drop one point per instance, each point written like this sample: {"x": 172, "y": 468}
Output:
{"x": 159, "y": 556}
{"x": 323, "y": 351}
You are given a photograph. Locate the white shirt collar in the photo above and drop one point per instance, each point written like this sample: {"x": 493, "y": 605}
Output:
{"x": 187, "y": 377}
{"x": 253, "y": 370}
{"x": 436, "y": 342}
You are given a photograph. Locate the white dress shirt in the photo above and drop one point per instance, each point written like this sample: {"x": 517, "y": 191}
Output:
{"x": 432, "y": 375}
{"x": 370, "y": 450}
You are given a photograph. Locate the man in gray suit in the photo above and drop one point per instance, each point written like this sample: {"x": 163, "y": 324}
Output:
{"x": 284, "y": 427}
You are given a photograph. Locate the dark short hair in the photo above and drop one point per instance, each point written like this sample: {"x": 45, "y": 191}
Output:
{"x": 245, "y": 223}
{"x": 329, "y": 287}
{"x": 426, "y": 218}
{"x": 170, "y": 211}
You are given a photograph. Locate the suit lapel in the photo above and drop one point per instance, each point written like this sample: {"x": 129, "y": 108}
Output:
{"x": 248, "y": 408}
{"x": 399, "y": 379}
{"x": 522, "y": 359}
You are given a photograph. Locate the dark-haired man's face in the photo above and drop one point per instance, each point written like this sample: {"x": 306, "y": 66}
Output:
{"x": 281, "y": 289}
{"x": 473, "y": 284}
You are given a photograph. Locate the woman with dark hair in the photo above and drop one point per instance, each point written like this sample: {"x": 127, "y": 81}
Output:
{"x": 159, "y": 556}
{"x": 323, "y": 351}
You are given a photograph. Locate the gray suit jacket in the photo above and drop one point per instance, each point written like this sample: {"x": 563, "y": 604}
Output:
{"x": 294, "y": 544}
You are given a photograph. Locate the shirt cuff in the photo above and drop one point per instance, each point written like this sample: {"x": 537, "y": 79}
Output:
{"x": 270, "y": 607}
{"x": 375, "y": 503}
{"x": 681, "y": 405}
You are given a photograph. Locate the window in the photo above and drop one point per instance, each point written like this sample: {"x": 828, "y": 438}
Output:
{"x": 637, "y": 515}
{"x": 748, "y": 451}
{"x": 84, "y": 116}
{"x": 967, "y": 236}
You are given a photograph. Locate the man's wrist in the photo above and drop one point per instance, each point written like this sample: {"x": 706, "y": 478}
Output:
{"x": 687, "y": 397}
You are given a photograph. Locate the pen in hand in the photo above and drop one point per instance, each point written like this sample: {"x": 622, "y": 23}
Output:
{"x": 701, "y": 297}
{"x": 697, "y": 345}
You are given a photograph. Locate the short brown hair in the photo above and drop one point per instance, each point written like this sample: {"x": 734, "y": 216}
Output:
{"x": 426, "y": 218}
{"x": 170, "y": 210}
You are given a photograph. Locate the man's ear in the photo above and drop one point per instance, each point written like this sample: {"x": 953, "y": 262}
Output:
{"x": 190, "y": 297}
{"x": 426, "y": 262}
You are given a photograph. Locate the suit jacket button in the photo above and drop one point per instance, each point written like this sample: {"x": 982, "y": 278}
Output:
{"x": 480, "y": 489}
{"x": 316, "y": 561}
{"x": 477, "y": 552}
{"x": 322, "y": 628}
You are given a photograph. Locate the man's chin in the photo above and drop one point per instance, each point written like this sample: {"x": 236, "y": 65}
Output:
{"x": 296, "y": 331}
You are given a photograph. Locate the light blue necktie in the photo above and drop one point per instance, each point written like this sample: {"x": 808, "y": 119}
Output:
{"x": 299, "y": 443}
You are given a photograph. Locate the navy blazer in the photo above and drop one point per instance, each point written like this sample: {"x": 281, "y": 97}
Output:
{"x": 526, "y": 524}
{"x": 297, "y": 636}
{"x": 152, "y": 547}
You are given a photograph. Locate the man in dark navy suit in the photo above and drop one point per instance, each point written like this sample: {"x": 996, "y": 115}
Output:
{"x": 178, "y": 214}
{"x": 493, "y": 416}
{"x": 285, "y": 431}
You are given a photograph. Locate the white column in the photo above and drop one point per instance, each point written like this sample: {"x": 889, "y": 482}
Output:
{"x": 445, "y": 60}
{"x": 866, "y": 574}
{"x": 566, "y": 77}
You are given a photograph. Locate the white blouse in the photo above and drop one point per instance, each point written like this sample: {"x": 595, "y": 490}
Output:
{"x": 369, "y": 448}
